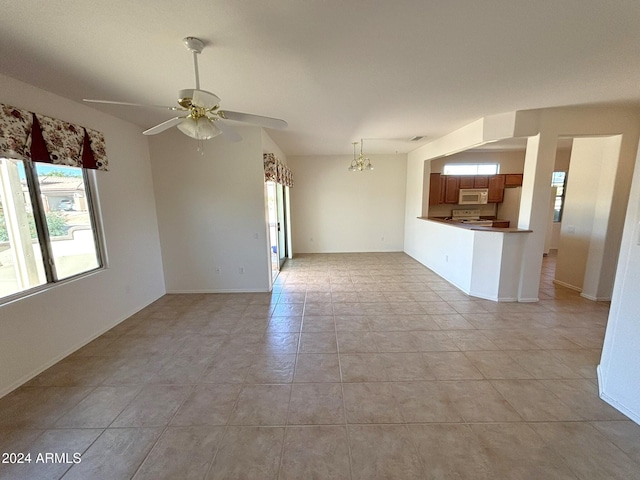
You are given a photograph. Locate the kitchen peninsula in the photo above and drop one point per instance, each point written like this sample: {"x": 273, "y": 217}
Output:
{"x": 482, "y": 261}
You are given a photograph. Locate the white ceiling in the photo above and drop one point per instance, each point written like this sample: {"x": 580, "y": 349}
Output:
{"x": 336, "y": 70}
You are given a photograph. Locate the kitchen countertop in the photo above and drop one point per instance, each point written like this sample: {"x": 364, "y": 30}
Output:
{"x": 470, "y": 226}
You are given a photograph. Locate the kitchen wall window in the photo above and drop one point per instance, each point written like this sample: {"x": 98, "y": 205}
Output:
{"x": 47, "y": 226}
{"x": 559, "y": 180}
{"x": 470, "y": 169}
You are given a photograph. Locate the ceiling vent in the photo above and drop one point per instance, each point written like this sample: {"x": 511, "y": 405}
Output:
{"x": 417, "y": 138}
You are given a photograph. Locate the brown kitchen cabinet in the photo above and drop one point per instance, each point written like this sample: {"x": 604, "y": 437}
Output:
{"x": 473, "y": 181}
{"x": 434, "y": 189}
{"x": 452, "y": 189}
{"x": 480, "y": 181}
{"x": 446, "y": 188}
{"x": 466, "y": 181}
{"x": 513, "y": 180}
{"x": 437, "y": 189}
{"x": 500, "y": 224}
{"x": 496, "y": 189}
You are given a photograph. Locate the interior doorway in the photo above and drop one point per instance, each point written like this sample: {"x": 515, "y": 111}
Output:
{"x": 281, "y": 200}
{"x": 583, "y": 183}
{"x": 277, "y": 217}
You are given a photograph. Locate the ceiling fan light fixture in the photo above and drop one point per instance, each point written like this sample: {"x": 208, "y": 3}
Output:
{"x": 200, "y": 129}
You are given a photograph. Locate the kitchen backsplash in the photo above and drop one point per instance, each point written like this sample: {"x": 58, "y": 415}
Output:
{"x": 488, "y": 210}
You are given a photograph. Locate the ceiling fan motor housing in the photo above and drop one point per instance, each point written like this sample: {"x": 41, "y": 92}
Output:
{"x": 193, "y": 44}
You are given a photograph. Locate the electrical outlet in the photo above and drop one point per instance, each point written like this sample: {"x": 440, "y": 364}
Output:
{"x": 241, "y": 270}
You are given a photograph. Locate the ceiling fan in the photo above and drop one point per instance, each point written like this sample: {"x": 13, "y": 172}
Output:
{"x": 202, "y": 119}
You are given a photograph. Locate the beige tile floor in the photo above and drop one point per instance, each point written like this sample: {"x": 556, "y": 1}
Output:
{"x": 357, "y": 366}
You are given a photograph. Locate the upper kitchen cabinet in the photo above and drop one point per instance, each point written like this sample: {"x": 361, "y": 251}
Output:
{"x": 466, "y": 181}
{"x": 473, "y": 181}
{"x": 452, "y": 188}
{"x": 437, "y": 188}
{"x": 480, "y": 181}
{"x": 445, "y": 189}
{"x": 513, "y": 180}
{"x": 496, "y": 188}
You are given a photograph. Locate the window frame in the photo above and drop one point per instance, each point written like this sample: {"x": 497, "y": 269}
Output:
{"x": 44, "y": 238}
{"x": 562, "y": 196}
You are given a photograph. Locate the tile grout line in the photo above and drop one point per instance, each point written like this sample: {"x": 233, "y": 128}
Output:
{"x": 344, "y": 405}
{"x": 286, "y": 417}
{"x": 164, "y": 429}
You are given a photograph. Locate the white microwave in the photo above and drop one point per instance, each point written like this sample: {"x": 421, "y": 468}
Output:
{"x": 473, "y": 196}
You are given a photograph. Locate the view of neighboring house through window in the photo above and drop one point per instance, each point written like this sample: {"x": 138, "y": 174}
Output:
{"x": 470, "y": 169}
{"x": 559, "y": 180}
{"x": 47, "y": 225}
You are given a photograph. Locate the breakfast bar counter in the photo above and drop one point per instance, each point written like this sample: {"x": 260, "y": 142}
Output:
{"x": 471, "y": 226}
{"x": 482, "y": 261}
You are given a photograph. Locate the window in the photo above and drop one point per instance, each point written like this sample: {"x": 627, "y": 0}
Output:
{"x": 559, "y": 180}
{"x": 470, "y": 169}
{"x": 47, "y": 226}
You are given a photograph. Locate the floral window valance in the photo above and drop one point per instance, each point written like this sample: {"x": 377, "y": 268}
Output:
{"x": 26, "y": 135}
{"x": 276, "y": 171}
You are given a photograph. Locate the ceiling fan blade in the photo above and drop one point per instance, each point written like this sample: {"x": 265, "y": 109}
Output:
{"x": 111, "y": 102}
{"x": 163, "y": 126}
{"x": 204, "y": 99}
{"x": 228, "y": 132}
{"x": 267, "y": 122}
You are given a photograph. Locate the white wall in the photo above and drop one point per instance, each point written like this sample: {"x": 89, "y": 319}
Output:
{"x": 39, "y": 330}
{"x": 619, "y": 372}
{"x": 211, "y": 212}
{"x": 450, "y": 252}
{"x": 586, "y": 215}
{"x": 335, "y": 210}
{"x": 580, "y": 200}
{"x": 269, "y": 146}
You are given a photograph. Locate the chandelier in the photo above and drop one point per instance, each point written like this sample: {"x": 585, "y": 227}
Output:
{"x": 359, "y": 163}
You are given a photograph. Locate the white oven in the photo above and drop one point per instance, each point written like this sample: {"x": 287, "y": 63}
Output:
{"x": 473, "y": 196}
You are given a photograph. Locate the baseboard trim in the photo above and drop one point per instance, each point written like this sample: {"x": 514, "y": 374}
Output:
{"x": 614, "y": 403}
{"x": 595, "y": 299}
{"x": 529, "y": 300}
{"x": 567, "y": 285}
{"x": 37, "y": 371}
{"x": 507, "y": 299}
{"x": 221, "y": 290}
